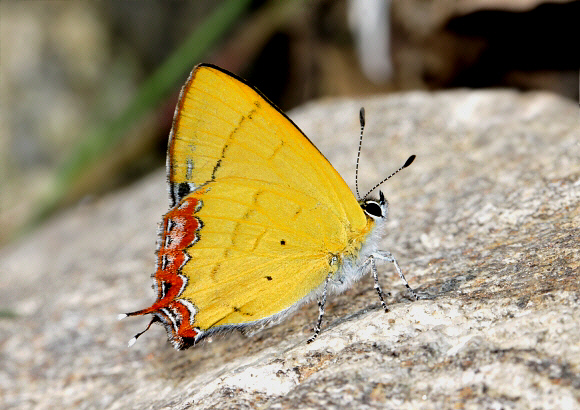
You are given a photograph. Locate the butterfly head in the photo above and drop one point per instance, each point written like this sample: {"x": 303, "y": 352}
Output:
{"x": 376, "y": 209}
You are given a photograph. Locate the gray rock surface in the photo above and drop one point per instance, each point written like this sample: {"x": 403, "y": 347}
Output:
{"x": 485, "y": 224}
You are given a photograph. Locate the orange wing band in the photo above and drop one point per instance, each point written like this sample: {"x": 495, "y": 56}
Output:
{"x": 180, "y": 230}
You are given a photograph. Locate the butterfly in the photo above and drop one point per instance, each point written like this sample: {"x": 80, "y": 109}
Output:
{"x": 259, "y": 220}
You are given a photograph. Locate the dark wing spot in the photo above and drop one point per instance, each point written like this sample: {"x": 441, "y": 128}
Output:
{"x": 268, "y": 277}
{"x": 282, "y": 242}
{"x": 183, "y": 190}
{"x": 165, "y": 287}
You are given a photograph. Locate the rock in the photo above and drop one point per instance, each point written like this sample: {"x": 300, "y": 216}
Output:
{"x": 485, "y": 224}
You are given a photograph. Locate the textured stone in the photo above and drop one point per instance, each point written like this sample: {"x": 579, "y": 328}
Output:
{"x": 485, "y": 224}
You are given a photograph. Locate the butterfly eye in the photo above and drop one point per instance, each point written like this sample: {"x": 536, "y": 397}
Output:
{"x": 373, "y": 209}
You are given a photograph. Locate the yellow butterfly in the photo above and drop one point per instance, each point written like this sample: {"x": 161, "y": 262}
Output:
{"x": 259, "y": 223}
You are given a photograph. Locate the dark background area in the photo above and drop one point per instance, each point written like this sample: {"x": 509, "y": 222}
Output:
{"x": 69, "y": 67}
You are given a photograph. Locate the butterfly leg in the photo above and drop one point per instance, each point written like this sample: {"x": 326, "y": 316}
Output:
{"x": 377, "y": 285}
{"x": 387, "y": 256}
{"x": 321, "y": 304}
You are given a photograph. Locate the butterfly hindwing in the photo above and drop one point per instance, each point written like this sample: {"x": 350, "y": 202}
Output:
{"x": 273, "y": 208}
{"x": 259, "y": 217}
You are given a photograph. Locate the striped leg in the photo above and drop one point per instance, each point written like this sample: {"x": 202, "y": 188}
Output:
{"x": 377, "y": 285}
{"x": 387, "y": 256}
{"x": 321, "y": 303}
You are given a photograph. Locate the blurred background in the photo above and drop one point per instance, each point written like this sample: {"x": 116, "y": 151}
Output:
{"x": 88, "y": 89}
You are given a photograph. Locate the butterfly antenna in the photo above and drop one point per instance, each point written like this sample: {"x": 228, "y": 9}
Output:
{"x": 362, "y": 127}
{"x": 407, "y": 163}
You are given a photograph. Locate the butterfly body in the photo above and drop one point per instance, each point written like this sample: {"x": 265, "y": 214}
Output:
{"x": 259, "y": 221}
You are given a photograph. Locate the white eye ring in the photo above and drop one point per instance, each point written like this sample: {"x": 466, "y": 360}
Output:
{"x": 374, "y": 209}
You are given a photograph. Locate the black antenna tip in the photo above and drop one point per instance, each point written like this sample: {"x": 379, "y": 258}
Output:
{"x": 409, "y": 161}
{"x": 362, "y": 116}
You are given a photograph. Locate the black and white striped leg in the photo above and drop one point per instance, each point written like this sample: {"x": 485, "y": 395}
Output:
{"x": 321, "y": 304}
{"x": 387, "y": 256}
{"x": 377, "y": 285}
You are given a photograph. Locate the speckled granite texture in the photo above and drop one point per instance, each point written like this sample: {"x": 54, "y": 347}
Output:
{"x": 485, "y": 224}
